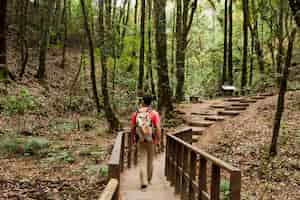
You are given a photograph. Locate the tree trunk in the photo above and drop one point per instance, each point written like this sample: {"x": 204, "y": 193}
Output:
{"x": 104, "y": 38}
{"x": 164, "y": 91}
{"x": 281, "y": 96}
{"x": 142, "y": 49}
{"x": 224, "y": 74}
{"x": 149, "y": 57}
{"x": 280, "y": 36}
{"x": 22, "y": 36}
{"x": 91, "y": 52}
{"x": 295, "y": 6}
{"x": 45, "y": 34}
{"x": 245, "y": 50}
{"x": 251, "y": 61}
{"x": 230, "y": 64}
{"x": 183, "y": 25}
{"x": 3, "y": 64}
{"x": 65, "y": 23}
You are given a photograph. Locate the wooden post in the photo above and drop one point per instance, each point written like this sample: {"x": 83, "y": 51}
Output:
{"x": 235, "y": 185}
{"x": 185, "y": 183}
{"x": 167, "y": 164}
{"x": 215, "y": 182}
{"x": 202, "y": 177}
{"x": 178, "y": 177}
{"x": 129, "y": 142}
{"x": 192, "y": 175}
{"x": 114, "y": 172}
{"x": 122, "y": 152}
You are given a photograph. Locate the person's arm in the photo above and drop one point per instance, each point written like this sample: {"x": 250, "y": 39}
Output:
{"x": 132, "y": 126}
{"x": 156, "y": 121}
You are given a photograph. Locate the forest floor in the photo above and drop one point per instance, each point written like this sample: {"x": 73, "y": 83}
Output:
{"x": 244, "y": 142}
{"x": 58, "y": 148}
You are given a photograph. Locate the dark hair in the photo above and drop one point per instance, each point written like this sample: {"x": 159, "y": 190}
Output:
{"x": 147, "y": 99}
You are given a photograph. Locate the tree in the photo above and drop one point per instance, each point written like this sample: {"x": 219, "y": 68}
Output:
{"x": 230, "y": 64}
{"x": 45, "y": 34}
{"x": 281, "y": 96}
{"x": 142, "y": 48}
{"x": 92, "y": 56}
{"x": 4, "y": 72}
{"x": 224, "y": 74}
{"x": 295, "y": 6}
{"x": 164, "y": 91}
{"x": 184, "y": 22}
{"x": 245, "y": 49}
{"x": 105, "y": 28}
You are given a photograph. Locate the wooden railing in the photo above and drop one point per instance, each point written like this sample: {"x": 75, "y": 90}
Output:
{"x": 187, "y": 168}
{"x": 124, "y": 154}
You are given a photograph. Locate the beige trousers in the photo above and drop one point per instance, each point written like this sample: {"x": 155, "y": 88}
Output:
{"x": 146, "y": 153}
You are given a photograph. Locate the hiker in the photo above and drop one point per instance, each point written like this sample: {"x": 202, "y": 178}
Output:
{"x": 146, "y": 130}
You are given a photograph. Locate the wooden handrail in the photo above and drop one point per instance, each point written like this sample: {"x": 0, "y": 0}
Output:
{"x": 186, "y": 169}
{"x": 110, "y": 190}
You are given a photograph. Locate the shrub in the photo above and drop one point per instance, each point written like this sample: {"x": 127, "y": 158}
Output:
{"x": 19, "y": 104}
{"x": 225, "y": 189}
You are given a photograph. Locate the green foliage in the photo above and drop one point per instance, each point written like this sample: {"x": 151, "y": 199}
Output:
{"x": 61, "y": 157}
{"x": 102, "y": 170}
{"x": 11, "y": 145}
{"x": 225, "y": 189}
{"x": 20, "y": 103}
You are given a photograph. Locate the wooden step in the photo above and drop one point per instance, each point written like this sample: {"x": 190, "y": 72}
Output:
{"x": 195, "y": 138}
{"x": 235, "y": 99}
{"x": 218, "y": 106}
{"x": 236, "y": 108}
{"x": 179, "y": 112}
{"x": 266, "y": 94}
{"x": 240, "y": 104}
{"x": 202, "y": 123}
{"x": 258, "y": 97}
{"x": 248, "y": 101}
{"x": 214, "y": 118}
{"x": 228, "y": 113}
{"x": 203, "y": 113}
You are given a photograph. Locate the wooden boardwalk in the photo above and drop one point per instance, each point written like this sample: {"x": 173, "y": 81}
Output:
{"x": 160, "y": 188}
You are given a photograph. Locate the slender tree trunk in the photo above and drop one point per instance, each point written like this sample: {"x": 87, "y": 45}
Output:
{"x": 224, "y": 72}
{"x": 104, "y": 44}
{"x": 164, "y": 91}
{"x": 92, "y": 57}
{"x": 184, "y": 20}
{"x": 245, "y": 51}
{"x": 295, "y": 6}
{"x": 251, "y": 61}
{"x": 281, "y": 96}
{"x": 3, "y": 64}
{"x": 280, "y": 54}
{"x": 142, "y": 48}
{"x": 22, "y": 36}
{"x": 149, "y": 57}
{"x": 230, "y": 64}
{"x": 65, "y": 23}
{"x": 45, "y": 34}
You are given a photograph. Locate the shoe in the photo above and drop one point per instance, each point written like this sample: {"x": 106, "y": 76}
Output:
{"x": 143, "y": 187}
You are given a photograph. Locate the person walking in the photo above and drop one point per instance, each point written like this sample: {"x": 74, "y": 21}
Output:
{"x": 145, "y": 131}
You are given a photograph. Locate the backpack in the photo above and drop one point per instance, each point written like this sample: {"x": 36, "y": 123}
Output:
{"x": 144, "y": 126}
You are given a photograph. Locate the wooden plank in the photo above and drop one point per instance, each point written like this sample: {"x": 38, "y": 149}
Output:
{"x": 228, "y": 113}
{"x": 201, "y": 123}
{"x": 110, "y": 190}
{"x": 214, "y": 118}
{"x": 116, "y": 152}
{"x": 178, "y": 157}
{"x": 236, "y": 108}
{"x": 202, "y": 177}
{"x": 192, "y": 175}
{"x": 122, "y": 152}
{"x": 235, "y": 185}
{"x": 185, "y": 182}
{"x": 129, "y": 152}
{"x": 215, "y": 182}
